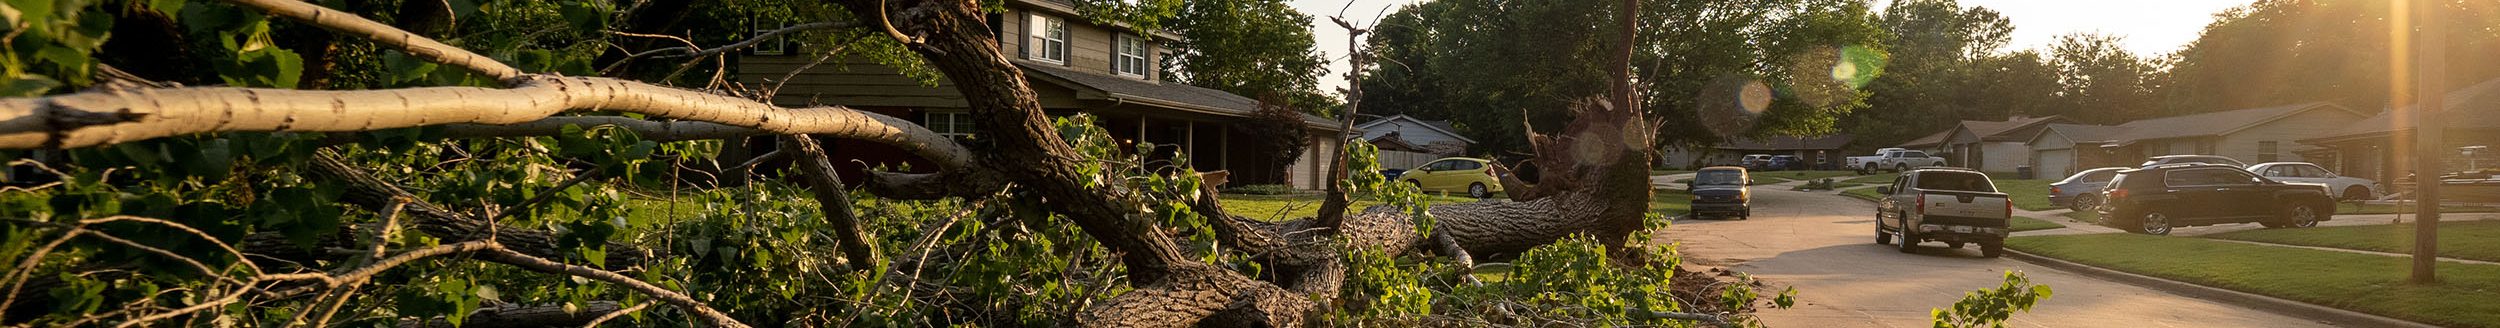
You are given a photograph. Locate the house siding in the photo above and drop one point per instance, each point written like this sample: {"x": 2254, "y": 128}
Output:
{"x": 859, "y": 82}
{"x": 2285, "y": 133}
{"x": 1412, "y": 132}
{"x": 2003, "y": 156}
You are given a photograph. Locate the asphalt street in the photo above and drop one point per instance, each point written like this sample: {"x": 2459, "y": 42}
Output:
{"x": 1824, "y": 245}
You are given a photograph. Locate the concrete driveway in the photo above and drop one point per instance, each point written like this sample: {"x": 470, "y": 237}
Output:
{"x": 1823, "y": 244}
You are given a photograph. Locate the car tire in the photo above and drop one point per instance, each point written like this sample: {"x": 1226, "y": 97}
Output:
{"x": 1868, "y": 169}
{"x": 1909, "y": 238}
{"x": 1478, "y": 191}
{"x": 1954, "y": 244}
{"x": 2302, "y": 216}
{"x": 1903, "y": 168}
{"x": 2153, "y": 223}
{"x": 2084, "y": 202}
{"x": 1992, "y": 249}
{"x": 2358, "y": 193}
{"x": 1881, "y": 237}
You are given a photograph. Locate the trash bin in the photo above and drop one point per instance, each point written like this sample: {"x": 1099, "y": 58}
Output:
{"x": 2023, "y": 171}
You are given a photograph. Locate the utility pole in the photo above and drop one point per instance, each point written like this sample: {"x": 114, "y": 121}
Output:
{"x": 2430, "y": 67}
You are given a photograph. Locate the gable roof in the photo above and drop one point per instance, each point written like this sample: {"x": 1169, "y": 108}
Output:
{"x": 1170, "y": 95}
{"x": 2081, "y": 133}
{"x": 1438, "y": 126}
{"x": 2215, "y": 123}
{"x": 2472, "y": 107}
{"x": 2017, "y": 129}
{"x": 1786, "y": 143}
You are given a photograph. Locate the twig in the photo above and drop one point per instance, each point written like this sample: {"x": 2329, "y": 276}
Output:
{"x": 612, "y": 315}
{"x": 710, "y": 316}
{"x": 543, "y": 196}
{"x": 417, "y": 45}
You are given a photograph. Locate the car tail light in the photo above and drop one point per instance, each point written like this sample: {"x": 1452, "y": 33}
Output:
{"x": 2009, "y": 208}
{"x": 2117, "y": 194}
{"x": 1922, "y": 203}
{"x": 2054, "y": 191}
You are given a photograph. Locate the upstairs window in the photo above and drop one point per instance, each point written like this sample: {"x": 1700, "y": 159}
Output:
{"x": 1050, "y": 39}
{"x": 1131, "y": 58}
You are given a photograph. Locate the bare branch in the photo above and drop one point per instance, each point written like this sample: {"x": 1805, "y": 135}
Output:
{"x": 417, "y": 45}
{"x": 681, "y": 301}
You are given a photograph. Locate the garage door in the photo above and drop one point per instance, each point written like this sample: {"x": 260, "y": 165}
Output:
{"x": 2055, "y": 164}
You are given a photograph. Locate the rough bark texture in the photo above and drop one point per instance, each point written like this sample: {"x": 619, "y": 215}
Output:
{"x": 832, "y": 199}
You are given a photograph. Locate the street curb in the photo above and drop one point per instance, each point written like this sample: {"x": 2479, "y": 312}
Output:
{"x": 2297, "y": 309}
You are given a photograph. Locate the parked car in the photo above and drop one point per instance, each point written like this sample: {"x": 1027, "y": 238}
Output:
{"x": 2342, "y": 187}
{"x": 2156, "y": 199}
{"x": 1456, "y": 174}
{"x": 1755, "y": 161}
{"x": 2184, "y": 159}
{"x": 1391, "y": 174}
{"x": 1787, "y": 162}
{"x": 2082, "y": 191}
{"x": 1721, "y": 191}
{"x": 1952, "y": 205}
{"x": 1896, "y": 159}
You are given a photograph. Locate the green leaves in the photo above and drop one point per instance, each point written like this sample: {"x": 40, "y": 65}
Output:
{"x": 1991, "y": 307}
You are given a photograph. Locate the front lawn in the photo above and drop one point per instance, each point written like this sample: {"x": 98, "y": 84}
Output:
{"x": 2028, "y": 224}
{"x": 2084, "y": 216}
{"x": 2029, "y": 195}
{"x": 2472, "y": 240}
{"x": 1267, "y": 207}
{"x": 1878, "y": 178}
{"x": 1862, "y": 193}
{"x": 2468, "y": 296}
{"x": 1670, "y": 203}
{"x": 2350, "y": 208}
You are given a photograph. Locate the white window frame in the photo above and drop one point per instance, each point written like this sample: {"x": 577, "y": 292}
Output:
{"x": 777, "y": 45}
{"x": 949, "y": 124}
{"x": 1129, "y": 56}
{"x": 1042, "y": 44}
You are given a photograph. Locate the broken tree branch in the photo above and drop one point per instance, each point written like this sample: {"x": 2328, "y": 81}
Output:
{"x": 832, "y": 199}
{"x": 417, "y": 45}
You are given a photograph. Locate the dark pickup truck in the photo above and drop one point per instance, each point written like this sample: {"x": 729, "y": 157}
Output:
{"x": 1721, "y": 191}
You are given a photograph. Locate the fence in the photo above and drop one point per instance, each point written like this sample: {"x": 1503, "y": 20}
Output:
{"x": 1399, "y": 159}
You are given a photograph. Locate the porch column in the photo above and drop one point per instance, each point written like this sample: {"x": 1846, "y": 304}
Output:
{"x": 1191, "y": 142}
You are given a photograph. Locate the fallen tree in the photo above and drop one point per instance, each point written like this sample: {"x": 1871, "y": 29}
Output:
{"x": 1595, "y": 177}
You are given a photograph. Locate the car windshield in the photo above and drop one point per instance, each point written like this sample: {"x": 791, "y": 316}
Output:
{"x": 1719, "y": 178}
{"x": 1957, "y": 181}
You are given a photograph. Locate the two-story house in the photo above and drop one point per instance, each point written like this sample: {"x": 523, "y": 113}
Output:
{"x": 1075, "y": 66}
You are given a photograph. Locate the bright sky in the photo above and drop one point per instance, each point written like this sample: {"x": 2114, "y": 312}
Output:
{"x": 2151, "y": 27}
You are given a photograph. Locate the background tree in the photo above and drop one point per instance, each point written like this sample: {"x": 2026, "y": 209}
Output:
{"x": 1253, "y": 48}
{"x": 2103, "y": 82}
{"x": 1937, "y": 49}
{"x": 2276, "y": 52}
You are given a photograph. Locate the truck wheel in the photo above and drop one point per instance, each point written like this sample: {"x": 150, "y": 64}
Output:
{"x": 1903, "y": 167}
{"x": 1953, "y": 244}
{"x": 1881, "y": 237}
{"x": 1868, "y": 169}
{"x": 1992, "y": 249}
{"x": 1909, "y": 238}
{"x": 2358, "y": 193}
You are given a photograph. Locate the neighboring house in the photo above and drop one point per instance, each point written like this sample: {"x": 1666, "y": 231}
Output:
{"x": 2060, "y": 150}
{"x": 1406, "y": 141}
{"x": 1074, "y": 66}
{"x": 2368, "y": 148}
{"x": 1988, "y": 146}
{"x": 1820, "y": 151}
{"x": 2254, "y": 135}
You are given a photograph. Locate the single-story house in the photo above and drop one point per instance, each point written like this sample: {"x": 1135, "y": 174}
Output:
{"x": 2367, "y": 148}
{"x": 2062, "y": 149}
{"x": 2254, "y": 135}
{"x": 1075, "y": 66}
{"x": 1822, "y": 151}
{"x": 1988, "y": 146}
{"x": 1406, "y": 141}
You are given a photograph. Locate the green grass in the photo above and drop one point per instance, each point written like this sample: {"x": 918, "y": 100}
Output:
{"x": 1266, "y": 207}
{"x": 2468, "y": 296}
{"x": 2029, "y": 195}
{"x": 2472, "y": 240}
{"x": 2028, "y": 224}
{"x": 1670, "y": 202}
{"x": 1862, "y": 193}
{"x": 2350, "y": 208}
{"x": 1879, "y": 178}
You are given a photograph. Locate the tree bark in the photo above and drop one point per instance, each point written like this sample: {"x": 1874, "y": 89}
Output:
{"x": 832, "y": 199}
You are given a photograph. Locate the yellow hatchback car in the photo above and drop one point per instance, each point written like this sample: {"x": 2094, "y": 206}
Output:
{"x": 1471, "y": 175}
